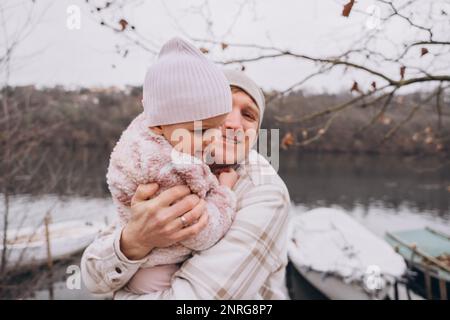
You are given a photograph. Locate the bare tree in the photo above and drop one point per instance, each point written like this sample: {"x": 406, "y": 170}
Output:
{"x": 10, "y": 42}
{"x": 20, "y": 140}
{"x": 392, "y": 73}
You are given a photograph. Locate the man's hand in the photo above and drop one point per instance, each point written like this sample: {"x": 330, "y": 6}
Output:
{"x": 157, "y": 222}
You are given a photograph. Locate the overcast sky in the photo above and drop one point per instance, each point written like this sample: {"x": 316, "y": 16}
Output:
{"x": 86, "y": 56}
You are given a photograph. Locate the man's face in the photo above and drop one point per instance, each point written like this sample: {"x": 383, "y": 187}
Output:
{"x": 239, "y": 130}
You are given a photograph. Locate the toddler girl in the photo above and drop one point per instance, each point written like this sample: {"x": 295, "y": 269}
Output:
{"x": 183, "y": 86}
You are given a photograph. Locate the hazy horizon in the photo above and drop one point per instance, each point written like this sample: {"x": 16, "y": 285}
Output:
{"x": 87, "y": 57}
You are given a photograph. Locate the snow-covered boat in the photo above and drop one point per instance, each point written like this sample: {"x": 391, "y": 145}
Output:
{"x": 341, "y": 258}
{"x": 27, "y": 247}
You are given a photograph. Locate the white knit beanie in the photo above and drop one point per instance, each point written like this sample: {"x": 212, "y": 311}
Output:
{"x": 183, "y": 85}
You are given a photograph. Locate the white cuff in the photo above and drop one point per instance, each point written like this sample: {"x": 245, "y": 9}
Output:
{"x": 119, "y": 253}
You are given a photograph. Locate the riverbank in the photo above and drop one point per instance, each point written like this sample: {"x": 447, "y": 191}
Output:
{"x": 383, "y": 193}
{"x": 95, "y": 117}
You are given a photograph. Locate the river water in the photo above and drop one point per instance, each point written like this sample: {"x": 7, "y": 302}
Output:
{"x": 384, "y": 193}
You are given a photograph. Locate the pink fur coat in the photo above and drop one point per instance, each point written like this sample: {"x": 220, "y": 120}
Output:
{"x": 141, "y": 156}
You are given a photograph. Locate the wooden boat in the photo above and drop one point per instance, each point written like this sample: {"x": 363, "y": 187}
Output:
{"x": 427, "y": 252}
{"x": 341, "y": 258}
{"x": 28, "y": 247}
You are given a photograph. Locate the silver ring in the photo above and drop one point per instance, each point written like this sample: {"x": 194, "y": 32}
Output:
{"x": 183, "y": 221}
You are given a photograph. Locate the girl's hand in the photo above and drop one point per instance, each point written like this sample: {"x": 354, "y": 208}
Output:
{"x": 228, "y": 178}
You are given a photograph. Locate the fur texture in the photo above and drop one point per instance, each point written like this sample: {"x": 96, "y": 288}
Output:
{"x": 140, "y": 157}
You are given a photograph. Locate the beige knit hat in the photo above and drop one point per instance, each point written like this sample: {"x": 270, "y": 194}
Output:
{"x": 242, "y": 81}
{"x": 183, "y": 85}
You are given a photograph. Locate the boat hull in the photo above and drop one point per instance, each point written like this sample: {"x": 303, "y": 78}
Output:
{"x": 28, "y": 247}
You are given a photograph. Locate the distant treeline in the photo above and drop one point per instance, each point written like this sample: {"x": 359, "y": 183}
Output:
{"x": 96, "y": 117}
{"x": 361, "y": 127}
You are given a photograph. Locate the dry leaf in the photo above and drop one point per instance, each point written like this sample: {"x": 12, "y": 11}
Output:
{"x": 204, "y": 50}
{"x": 374, "y": 85}
{"x": 305, "y": 134}
{"x": 355, "y": 87}
{"x": 423, "y": 51}
{"x": 402, "y": 72}
{"x": 385, "y": 120}
{"x": 224, "y": 45}
{"x": 348, "y": 8}
{"x": 123, "y": 24}
{"x": 243, "y": 68}
{"x": 287, "y": 140}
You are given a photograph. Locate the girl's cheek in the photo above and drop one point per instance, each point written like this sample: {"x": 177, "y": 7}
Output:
{"x": 184, "y": 144}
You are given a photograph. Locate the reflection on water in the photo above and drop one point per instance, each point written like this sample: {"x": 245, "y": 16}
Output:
{"x": 362, "y": 181}
{"x": 26, "y": 210}
{"x": 380, "y": 219}
{"x": 383, "y": 193}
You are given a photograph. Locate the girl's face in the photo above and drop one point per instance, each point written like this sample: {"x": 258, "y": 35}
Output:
{"x": 225, "y": 139}
{"x": 192, "y": 137}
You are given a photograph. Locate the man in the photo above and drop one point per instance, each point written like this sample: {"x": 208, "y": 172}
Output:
{"x": 247, "y": 263}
